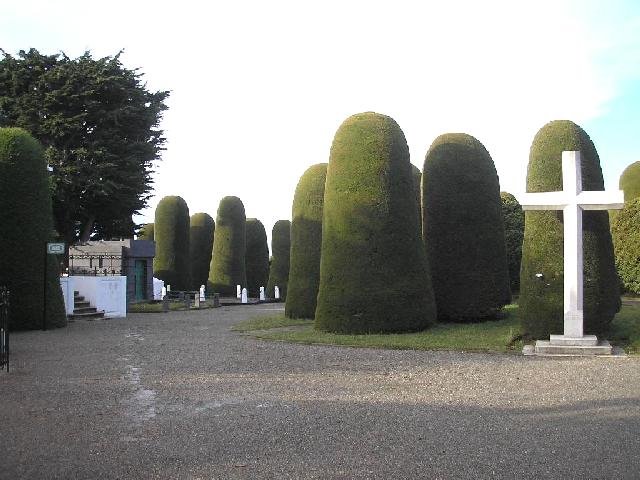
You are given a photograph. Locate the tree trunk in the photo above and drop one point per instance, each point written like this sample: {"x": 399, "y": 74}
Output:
{"x": 88, "y": 229}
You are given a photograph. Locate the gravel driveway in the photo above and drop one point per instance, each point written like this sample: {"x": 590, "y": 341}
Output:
{"x": 179, "y": 395}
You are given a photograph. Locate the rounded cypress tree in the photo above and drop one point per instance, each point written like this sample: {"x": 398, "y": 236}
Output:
{"x": 171, "y": 233}
{"x": 27, "y": 224}
{"x": 201, "y": 231}
{"x": 256, "y": 257}
{"x": 513, "y": 219}
{"x": 417, "y": 191}
{"x": 626, "y": 243}
{"x": 541, "y": 298}
{"x": 306, "y": 241}
{"x": 463, "y": 229}
{"x": 280, "y": 249}
{"x": 228, "y": 259}
{"x": 373, "y": 268}
{"x": 146, "y": 232}
{"x": 630, "y": 182}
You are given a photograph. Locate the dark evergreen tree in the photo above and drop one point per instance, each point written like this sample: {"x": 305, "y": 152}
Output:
{"x": 417, "y": 186}
{"x": 373, "y": 268}
{"x": 146, "y": 232}
{"x": 171, "y": 233}
{"x": 229, "y": 243}
{"x": 201, "y": 232}
{"x": 306, "y": 242}
{"x": 513, "y": 219}
{"x": 27, "y": 225}
{"x": 541, "y": 298}
{"x": 256, "y": 257}
{"x": 463, "y": 230}
{"x": 281, "y": 251}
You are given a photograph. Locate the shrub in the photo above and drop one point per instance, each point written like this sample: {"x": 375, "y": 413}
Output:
{"x": 513, "y": 220}
{"x": 27, "y": 224}
{"x": 201, "y": 231}
{"x": 373, "y": 269}
{"x": 306, "y": 241}
{"x": 630, "y": 182}
{"x": 256, "y": 257}
{"x": 463, "y": 230}
{"x": 146, "y": 232}
{"x": 626, "y": 243}
{"x": 228, "y": 260}
{"x": 280, "y": 249}
{"x": 541, "y": 299}
{"x": 417, "y": 192}
{"x": 171, "y": 233}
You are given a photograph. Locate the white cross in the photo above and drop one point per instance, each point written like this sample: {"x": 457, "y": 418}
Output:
{"x": 572, "y": 201}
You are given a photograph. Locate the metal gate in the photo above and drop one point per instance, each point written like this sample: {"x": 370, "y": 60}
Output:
{"x": 4, "y": 328}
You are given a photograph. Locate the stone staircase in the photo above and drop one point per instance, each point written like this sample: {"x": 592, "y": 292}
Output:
{"x": 82, "y": 310}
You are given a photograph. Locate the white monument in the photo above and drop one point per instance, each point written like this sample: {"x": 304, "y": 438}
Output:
{"x": 276, "y": 292}
{"x": 572, "y": 201}
{"x": 196, "y": 300}
{"x": 238, "y": 291}
{"x": 262, "y": 298}
{"x": 202, "y": 296}
{"x": 163, "y": 293}
{"x": 244, "y": 295}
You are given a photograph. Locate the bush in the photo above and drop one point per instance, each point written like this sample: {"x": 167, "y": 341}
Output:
{"x": 541, "y": 299}
{"x": 306, "y": 241}
{"x": 373, "y": 269}
{"x": 201, "y": 231}
{"x": 27, "y": 224}
{"x": 146, "y": 232}
{"x": 228, "y": 260}
{"x": 256, "y": 256}
{"x": 630, "y": 182}
{"x": 171, "y": 233}
{"x": 626, "y": 243}
{"x": 280, "y": 249}
{"x": 463, "y": 230}
{"x": 417, "y": 191}
{"x": 513, "y": 220}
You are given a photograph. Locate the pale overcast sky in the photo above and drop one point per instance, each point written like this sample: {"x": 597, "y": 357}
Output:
{"x": 259, "y": 88}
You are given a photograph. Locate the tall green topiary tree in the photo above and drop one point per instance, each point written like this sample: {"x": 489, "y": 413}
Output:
{"x": 373, "y": 268}
{"x": 630, "y": 182}
{"x": 256, "y": 257}
{"x": 201, "y": 231}
{"x": 417, "y": 191}
{"x": 171, "y": 233}
{"x": 513, "y": 219}
{"x": 541, "y": 298}
{"x": 625, "y": 231}
{"x": 463, "y": 229}
{"x": 228, "y": 260}
{"x": 146, "y": 232}
{"x": 281, "y": 251}
{"x": 27, "y": 224}
{"x": 306, "y": 241}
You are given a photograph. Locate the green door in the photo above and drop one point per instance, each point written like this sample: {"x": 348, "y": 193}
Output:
{"x": 141, "y": 280}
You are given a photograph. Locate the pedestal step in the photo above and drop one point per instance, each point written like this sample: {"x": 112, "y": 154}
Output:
{"x": 549, "y": 348}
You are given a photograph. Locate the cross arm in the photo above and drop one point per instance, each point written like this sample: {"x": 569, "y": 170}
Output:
{"x": 599, "y": 200}
{"x": 543, "y": 201}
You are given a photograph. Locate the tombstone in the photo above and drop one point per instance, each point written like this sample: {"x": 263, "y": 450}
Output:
{"x": 158, "y": 289}
{"x": 164, "y": 293}
{"x": 202, "y": 296}
{"x": 165, "y": 304}
{"x": 168, "y": 288}
{"x": 276, "y": 292}
{"x": 196, "y": 300}
{"x": 572, "y": 201}
{"x": 244, "y": 295}
{"x": 262, "y": 298}
{"x": 216, "y": 300}
{"x": 238, "y": 291}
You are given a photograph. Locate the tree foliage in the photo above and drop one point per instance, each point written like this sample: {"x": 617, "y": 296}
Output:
{"x": 625, "y": 231}
{"x": 201, "y": 231}
{"x": 280, "y": 253}
{"x": 513, "y": 219}
{"x": 630, "y": 181}
{"x": 256, "y": 257}
{"x": 171, "y": 233}
{"x": 99, "y": 126}
{"x": 27, "y": 224}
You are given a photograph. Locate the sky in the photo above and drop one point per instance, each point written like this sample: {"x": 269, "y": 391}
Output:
{"x": 258, "y": 89}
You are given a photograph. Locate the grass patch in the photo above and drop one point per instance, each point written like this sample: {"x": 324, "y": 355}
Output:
{"x": 492, "y": 336}
{"x": 156, "y": 307}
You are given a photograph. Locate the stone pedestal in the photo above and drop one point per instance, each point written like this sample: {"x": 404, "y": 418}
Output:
{"x": 563, "y": 345}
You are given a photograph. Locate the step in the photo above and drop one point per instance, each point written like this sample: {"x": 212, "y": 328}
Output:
{"x": 86, "y": 316}
{"x": 81, "y": 304}
{"x": 84, "y": 309}
{"x": 79, "y": 298}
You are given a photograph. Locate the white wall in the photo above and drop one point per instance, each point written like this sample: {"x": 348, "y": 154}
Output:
{"x": 66, "y": 283}
{"x": 105, "y": 293}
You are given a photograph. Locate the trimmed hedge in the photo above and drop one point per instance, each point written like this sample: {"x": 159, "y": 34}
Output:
{"x": 146, "y": 232}
{"x": 417, "y": 192}
{"x": 626, "y": 242}
{"x": 373, "y": 268}
{"x": 306, "y": 242}
{"x": 171, "y": 234}
{"x": 228, "y": 260}
{"x": 256, "y": 257}
{"x": 630, "y": 181}
{"x": 513, "y": 220}
{"x": 541, "y": 300}
{"x": 201, "y": 232}
{"x": 27, "y": 224}
{"x": 463, "y": 229}
{"x": 280, "y": 250}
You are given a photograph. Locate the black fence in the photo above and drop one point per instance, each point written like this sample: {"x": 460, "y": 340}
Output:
{"x": 4, "y": 328}
{"x": 94, "y": 264}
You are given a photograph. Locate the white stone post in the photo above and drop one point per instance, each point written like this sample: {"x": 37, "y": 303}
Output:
{"x": 262, "y": 298}
{"x": 202, "y": 295}
{"x": 238, "y": 291}
{"x": 276, "y": 292}
{"x": 164, "y": 292}
{"x": 244, "y": 295}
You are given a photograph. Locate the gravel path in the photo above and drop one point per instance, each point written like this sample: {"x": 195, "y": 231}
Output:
{"x": 178, "y": 395}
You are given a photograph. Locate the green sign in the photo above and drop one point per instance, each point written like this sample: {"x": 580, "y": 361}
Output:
{"x": 55, "y": 248}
